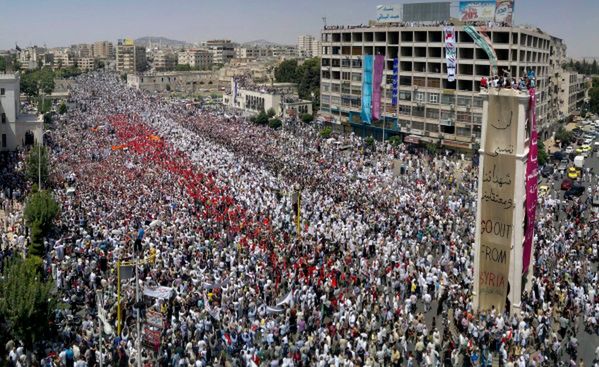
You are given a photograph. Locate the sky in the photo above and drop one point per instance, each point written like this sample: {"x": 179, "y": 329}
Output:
{"x": 65, "y": 22}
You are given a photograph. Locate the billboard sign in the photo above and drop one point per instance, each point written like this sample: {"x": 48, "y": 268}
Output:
{"x": 388, "y": 13}
{"x": 504, "y": 11}
{"x": 426, "y": 12}
{"x": 477, "y": 11}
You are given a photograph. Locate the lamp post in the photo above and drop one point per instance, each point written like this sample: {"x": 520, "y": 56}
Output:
{"x": 39, "y": 161}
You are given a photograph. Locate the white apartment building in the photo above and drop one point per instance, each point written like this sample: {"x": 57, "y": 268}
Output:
{"x": 571, "y": 92}
{"x": 164, "y": 60}
{"x": 129, "y": 57}
{"x": 103, "y": 50}
{"x": 16, "y": 129}
{"x": 222, "y": 50}
{"x": 252, "y": 52}
{"x": 195, "y": 58}
{"x": 308, "y": 46}
{"x": 86, "y": 63}
{"x": 429, "y": 108}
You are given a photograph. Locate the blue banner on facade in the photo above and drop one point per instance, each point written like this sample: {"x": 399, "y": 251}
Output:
{"x": 367, "y": 90}
{"x": 395, "y": 82}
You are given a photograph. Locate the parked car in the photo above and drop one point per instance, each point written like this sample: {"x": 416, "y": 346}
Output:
{"x": 572, "y": 173}
{"x": 563, "y": 165}
{"x": 547, "y": 170}
{"x": 558, "y": 156}
{"x": 588, "y": 141}
{"x": 583, "y": 149}
{"x": 569, "y": 149}
{"x": 566, "y": 184}
{"x": 576, "y": 190}
{"x": 543, "y": 190}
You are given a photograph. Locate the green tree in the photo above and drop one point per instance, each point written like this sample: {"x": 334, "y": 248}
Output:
{"x": 369, "y": 141}
{"x": 261, "y": 118}
{"x": 271, "y": 112}
{"x": 594, "y": 98}
{"x": 308, "y": 83}
{"x": 275, "y": 123}
{"x": 40, "y": 211}
{"x": 395, "y": 140}
{"x": 3, "y": 64}
{"x": 29, "y": 84}
{"x": 307, "y": 118}
{"x": 44, "y": 105}
{"x": 564, "y": 136}
{"x": 287, "y": 72}
{"x": 62, "y": 109}
{"x": 32, "y": 169}
{"x": 326, "y": 132}
{"x": 431, "y": 148}
{"x": 27, "y": 301}
{"x": 542, "y": 155}
{"x": 182, "y": 67}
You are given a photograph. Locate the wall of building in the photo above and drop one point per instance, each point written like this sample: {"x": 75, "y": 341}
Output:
{"x": 428, "y": 106}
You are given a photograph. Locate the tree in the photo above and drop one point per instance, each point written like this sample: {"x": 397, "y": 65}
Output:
{"x": 62, "y": 109}
{"x": 369, "y": 141}
{"x": 395, "y": 140}
{"x": 40, "y": 211}
{"x": 44, "y": 105}
{"x": 27, "y": 301}
{"x": 307, "y": 118}
{"x": 32, "y": 169}
{"x": 542, "y": 155}
{"x": 271, "y": 112}
{"x": 326, "y": 132}
{"x": 182, "y": 67}
{"x": 564, "y": 136}
{"x": 261, "y": 118}
{"x": 308, "y": 84}
{"x": 275, "y": 123}
{"x": 594, "y": 98}
{"x": 287, "y": 72}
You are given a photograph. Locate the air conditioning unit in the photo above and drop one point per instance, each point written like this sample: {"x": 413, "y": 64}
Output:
{"x": 452, "y": 106}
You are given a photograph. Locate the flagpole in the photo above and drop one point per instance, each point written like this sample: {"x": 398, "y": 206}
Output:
{"x": 118, "y": 297}
{"x": 100, "y": 325}
{"x": 297, "y": 219}
{"x": 138, "y": 310}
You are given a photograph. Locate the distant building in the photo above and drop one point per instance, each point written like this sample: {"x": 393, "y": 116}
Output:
{"x": 252, "y": 99}
{"x": 164, "y": 60}
{"x": 308, "y": 46}
{"x": 252, "y": 52}
{"x": 129, "y": 57}
{"x": 16, "y": 129}
{"x": 222, "y": 50}
{"x": 572, "y": 87}
{"x": 64, "y": 58}
{"x": 195, "y": 58}
{"x": 103, "y": 50}
{"x": 183, "y": 81}
{"x": 86, "y": 63}
{"x": 284, "y": 51}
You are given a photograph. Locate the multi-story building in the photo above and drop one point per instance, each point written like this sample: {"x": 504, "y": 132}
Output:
{"x": 316, "y": 48}
{"x": 252, "y": 52}
{"x": 184, "y": 81}
{"x": 254, "y": 98}
{"x": 284, "y": 51}
{"x": 129, "y": 57}
{"x": 16, "y": 129}
{"x": 308, "y": 46}
{"x": 86, "y": 63}
{"x": 30, "y": 56}
{"x": 64, "y": 58}
{"x": 571, "y": 92}
{"x": 103, "y": 50}
{"x": 429, "y": 108}
{"x": 195, "y": 58}
{"x": 222, "y": 50}
{"x": 164, "y": 60}
{"x": 82, "y": 50}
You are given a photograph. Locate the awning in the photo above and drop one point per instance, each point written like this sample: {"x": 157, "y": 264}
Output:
{"x": 412, "y": 139}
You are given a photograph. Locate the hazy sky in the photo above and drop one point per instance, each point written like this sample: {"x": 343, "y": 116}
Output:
{"x": 64, "y": 22}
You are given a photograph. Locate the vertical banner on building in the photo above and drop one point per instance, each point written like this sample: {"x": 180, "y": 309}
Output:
{"x": 377, "y": 83}
{"x": 531, "y": 184}
{"x": 450, "y": 53}
{"x": 395, "y": 82}
{"x": 367, "y": 90}
{"x": 497, "y": 202}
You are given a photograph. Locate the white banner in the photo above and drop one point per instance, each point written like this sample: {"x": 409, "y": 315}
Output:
{"x": 389, "y": 13}
{"x": 159, "y": 292}
{"x": 450, "y": 53}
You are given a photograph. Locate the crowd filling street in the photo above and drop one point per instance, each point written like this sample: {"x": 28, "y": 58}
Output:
{"x": 380, "y": 272}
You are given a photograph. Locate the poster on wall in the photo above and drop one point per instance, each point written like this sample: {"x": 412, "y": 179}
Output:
{"x": 377, "y": 81}
{"x": 366, "y": 112}
{"x": 504, "y": 11}
{"x": 497, "y": 202}
{"x": 450, "y": 53}
{"x": 389, "y": 13}
{"x": 477, "y": 11}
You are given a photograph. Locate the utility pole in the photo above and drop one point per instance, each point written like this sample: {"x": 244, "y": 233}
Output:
{"x": 137, "y": 302}
{"x": 100, "y": 325}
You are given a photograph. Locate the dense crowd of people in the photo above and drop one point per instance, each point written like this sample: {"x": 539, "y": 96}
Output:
{"x": 378, "y": 274}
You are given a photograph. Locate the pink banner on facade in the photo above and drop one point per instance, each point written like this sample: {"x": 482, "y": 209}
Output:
{"x": 377, "y": 80}
{"x": 531, "y": 183}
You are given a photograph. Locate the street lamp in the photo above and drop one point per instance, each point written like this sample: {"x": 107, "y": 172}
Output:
{"x": 39, "y": 161}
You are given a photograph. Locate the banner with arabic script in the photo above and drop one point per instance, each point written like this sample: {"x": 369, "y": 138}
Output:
{"x": 395, "y": 81}
{"x": 377, "y": 81}
{"x": 450, "y": 53}
{"x": 366, "y": 113}
{"x": 497, "y": 201}
{"x": 531, "y": 183}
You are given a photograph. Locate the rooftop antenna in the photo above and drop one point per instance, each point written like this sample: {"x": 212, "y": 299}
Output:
{"x": 324, "y": 20}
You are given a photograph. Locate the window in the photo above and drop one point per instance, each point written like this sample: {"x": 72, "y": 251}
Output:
{"x": 3, "y": 118}
{"x": 404, "y": 110}
{"x": 419, "y": 96}
{"x": 433, "y": 97}
{"x": 432, "y": 113}
{"x": 447, "y": 99}
{"x": 463, "y": 131}
{"x": 1, "y": 91}
{"x": 3, "y": 140}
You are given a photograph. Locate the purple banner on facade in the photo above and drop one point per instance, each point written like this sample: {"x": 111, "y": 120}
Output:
{"x": 531, "y": 184}
{"x": 377, "y": 80}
